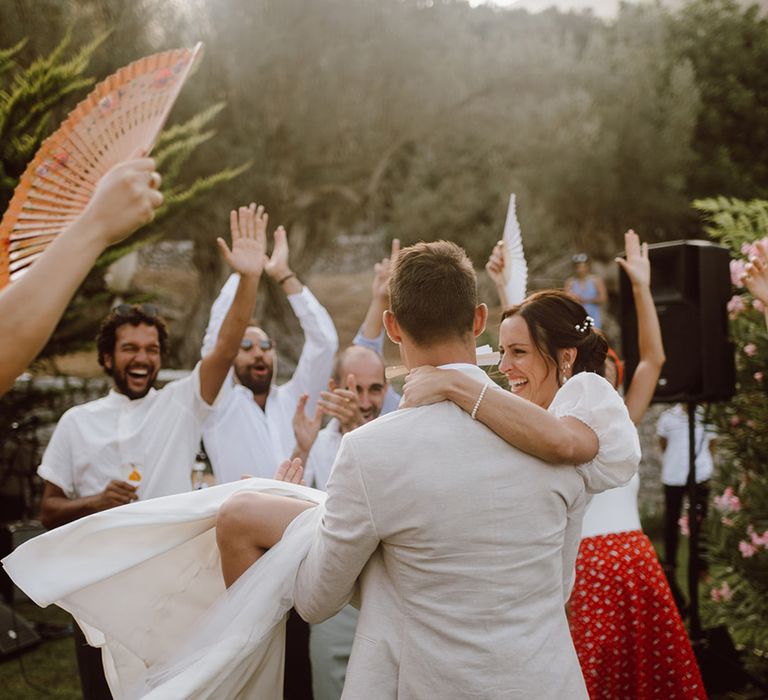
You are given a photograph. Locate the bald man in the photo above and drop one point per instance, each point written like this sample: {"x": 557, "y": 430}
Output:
{"x": 357, "y": 395}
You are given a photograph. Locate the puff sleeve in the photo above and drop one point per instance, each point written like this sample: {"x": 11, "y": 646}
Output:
{"x": 591, "y": 399}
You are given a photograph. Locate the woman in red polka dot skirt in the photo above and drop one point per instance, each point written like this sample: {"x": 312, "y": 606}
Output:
{"x": 628, "y": 634}
{"x": 626, "y": 628}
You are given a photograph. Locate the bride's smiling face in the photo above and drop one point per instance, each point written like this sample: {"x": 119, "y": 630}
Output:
{"x": 531, "y": 375}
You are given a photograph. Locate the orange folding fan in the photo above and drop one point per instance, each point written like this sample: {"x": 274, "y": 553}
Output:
{"x": 122, "y": 116}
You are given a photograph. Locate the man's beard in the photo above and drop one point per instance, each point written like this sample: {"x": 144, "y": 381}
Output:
{"x": 258, "y": 385}
{"x": 121, "y": 382}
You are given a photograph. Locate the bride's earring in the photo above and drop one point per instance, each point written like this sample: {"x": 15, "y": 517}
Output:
{"x": 565, "y": 372}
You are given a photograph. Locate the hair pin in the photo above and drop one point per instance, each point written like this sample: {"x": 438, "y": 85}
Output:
{"x": 588, "y": 324}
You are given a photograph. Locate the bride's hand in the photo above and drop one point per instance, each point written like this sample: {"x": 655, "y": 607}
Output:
{"x": 425, "y": 385}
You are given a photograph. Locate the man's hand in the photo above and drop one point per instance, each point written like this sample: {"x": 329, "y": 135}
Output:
{"x": 755, "y": 276}
{"x": 305, "y": 429}
{"x": 117, "y": 493}
{"x": 125, "y": 199}
{"x": 342, "y": 405}
{"x": 382, "y": 272}
{"x": 248, "y": 227}
{"x": 277, "y": 264}
{"x": 291, "y": 471}
{"x": 637, "y": 266}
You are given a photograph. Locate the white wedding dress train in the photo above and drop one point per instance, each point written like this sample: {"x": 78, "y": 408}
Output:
{"x": 144, "y": 583}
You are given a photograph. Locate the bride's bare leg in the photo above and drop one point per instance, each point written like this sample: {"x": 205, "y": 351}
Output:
{"x": 248, "y": 524}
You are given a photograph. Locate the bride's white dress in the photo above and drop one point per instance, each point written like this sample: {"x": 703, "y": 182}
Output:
{"x": 144, "y": 582}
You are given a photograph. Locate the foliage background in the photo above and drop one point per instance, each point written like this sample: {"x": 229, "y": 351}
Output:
{"x": 383, "y": 118}
{"x": 738, "y": 525}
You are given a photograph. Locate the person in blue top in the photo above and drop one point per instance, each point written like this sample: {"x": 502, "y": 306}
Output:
{"x": 588, "y": 289}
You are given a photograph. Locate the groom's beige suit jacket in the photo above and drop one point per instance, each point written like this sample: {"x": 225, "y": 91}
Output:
{"x": 464, "y": 548}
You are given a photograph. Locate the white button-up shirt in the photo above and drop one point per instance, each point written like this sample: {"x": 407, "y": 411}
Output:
{"x": 158, "y": 435}
{"x": 241, "y": 438}
{"x": 673, "y": 426}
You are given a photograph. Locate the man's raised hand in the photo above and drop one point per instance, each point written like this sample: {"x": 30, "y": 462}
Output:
{"x": 277, "y": 266}
{"x": 248, "y": 226}
{"x": 382, "y": 272}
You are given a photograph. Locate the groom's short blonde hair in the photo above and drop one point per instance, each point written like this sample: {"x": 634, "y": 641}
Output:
{"x": 433, "y": 291}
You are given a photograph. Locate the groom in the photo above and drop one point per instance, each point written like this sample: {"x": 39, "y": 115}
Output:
{"x": 458, "y": 541}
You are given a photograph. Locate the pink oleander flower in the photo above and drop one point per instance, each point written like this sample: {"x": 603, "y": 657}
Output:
{"x": 735, "y": 420}
{"x": 750, "y": 349}
{"x": 725, "y": 591}
{"x": 757, "y": 540}
{"x": 758, "y": 376}
{"x": 736, "y": 305}
{"x": 683, "y": 523}
{"x": 747, "y": 550}
{"x": 751, "y": 424}
{"x": 737, "y": 271}
{"x": 758, "y": 305}
{"x": 728, "y": 502}
{"x": 725, "y": 520}
{"x": 715, "y": 595}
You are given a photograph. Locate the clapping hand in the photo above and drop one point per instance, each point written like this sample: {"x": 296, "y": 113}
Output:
{"x": 342, "y": 405}
{"x": 305, "y": 429}
{"x": 292, "y": 471}
{"x": 755, "y": 275}
{"x": 637, "y": 266}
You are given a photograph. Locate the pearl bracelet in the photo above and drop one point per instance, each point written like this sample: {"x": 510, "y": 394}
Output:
{"x": 479, "y": 399}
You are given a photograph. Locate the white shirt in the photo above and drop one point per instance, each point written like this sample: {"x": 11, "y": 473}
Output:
{"x": 241, "y": 438}
{"x": 323, "y": 455}
{"x": 98, "y": 441}
{"x": 673, "y": 426}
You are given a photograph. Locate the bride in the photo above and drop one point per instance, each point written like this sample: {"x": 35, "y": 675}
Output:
{"x": 145, "y": 582}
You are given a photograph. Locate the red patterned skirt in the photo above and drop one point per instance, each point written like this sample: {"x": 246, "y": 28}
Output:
{"x": 628, "y": 634}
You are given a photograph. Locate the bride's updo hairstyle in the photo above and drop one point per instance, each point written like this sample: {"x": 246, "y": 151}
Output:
{"x": 557, "y": 321}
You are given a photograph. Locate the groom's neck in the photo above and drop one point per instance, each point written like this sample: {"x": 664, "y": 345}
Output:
{"x": 439, "y": 353}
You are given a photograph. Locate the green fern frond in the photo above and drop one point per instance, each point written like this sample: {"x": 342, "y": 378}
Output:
{"x": 192, "y": 126}
{"x": 199, "y": 186}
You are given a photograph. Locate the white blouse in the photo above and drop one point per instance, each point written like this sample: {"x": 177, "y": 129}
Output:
{"x": 592, "y": 399}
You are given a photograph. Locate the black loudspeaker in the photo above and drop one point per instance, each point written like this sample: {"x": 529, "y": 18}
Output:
{"x": 13, "y": 535}
{"x": 691, "y": 286}
{"x": 16, "y": 634}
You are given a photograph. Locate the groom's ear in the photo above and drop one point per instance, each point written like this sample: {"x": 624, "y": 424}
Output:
{"x": 392, "y": 327}
{"x": 481, "y": 317}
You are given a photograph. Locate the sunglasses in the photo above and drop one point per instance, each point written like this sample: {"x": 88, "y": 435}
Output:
{"x": 123, "y": 310}
{"x": 264, "y": 344}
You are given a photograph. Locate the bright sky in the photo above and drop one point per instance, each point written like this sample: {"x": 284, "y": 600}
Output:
{"x": 602, "y": 8}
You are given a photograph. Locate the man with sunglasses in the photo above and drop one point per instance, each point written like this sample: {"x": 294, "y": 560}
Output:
{"x": 251, "y": 429}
